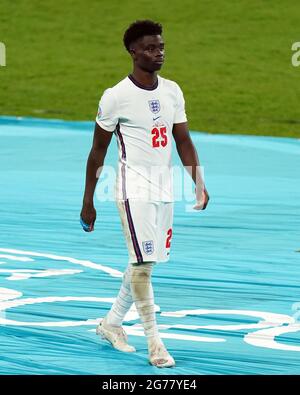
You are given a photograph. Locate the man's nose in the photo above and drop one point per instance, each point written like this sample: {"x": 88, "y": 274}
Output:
{"x": 160, "y": 52}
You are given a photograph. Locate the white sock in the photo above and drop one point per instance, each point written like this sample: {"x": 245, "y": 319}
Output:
{"x": 143, "y": 297}
{"x": 123, "y": 302}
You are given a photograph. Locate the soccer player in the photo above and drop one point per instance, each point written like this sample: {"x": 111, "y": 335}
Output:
{"x": 143, "y": 111}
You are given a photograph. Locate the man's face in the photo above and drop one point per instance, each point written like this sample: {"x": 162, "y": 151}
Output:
{"x": 148, "y": 53}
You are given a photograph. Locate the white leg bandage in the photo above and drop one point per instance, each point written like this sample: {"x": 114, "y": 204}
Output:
{"x": 123, "y": 302}
{"x": 143, "y": 297}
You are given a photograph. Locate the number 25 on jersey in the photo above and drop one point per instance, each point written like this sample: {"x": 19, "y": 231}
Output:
{"x": 159, "y": 137}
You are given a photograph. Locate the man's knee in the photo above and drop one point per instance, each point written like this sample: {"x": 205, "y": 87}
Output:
{"x": 127, "y": 275}
{"x": 141, "y": 272}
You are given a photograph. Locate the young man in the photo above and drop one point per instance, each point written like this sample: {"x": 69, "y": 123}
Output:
{"x": 144, "y": 111}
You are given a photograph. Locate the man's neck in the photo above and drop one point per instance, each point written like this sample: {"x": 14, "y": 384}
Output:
{"x": 144, "y": 78}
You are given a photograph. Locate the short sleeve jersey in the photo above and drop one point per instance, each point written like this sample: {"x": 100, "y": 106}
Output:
{"x": 142, "y": 120}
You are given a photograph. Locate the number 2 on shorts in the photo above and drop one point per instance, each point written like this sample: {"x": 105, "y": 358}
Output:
{"x": 168, "y": 241}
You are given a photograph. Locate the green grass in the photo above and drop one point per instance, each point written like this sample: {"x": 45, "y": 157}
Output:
{"x": 231, "y": 58}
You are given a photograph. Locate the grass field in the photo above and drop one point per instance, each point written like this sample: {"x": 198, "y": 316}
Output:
{"x": 231, "y": 58}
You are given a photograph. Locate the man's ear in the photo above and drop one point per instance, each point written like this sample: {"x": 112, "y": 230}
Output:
{"x": 132, "y": 53}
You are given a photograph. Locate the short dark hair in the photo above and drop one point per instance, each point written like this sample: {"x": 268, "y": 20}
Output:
{"x": 139, "y": 29}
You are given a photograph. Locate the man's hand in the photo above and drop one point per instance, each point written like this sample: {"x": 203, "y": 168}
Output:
{"x": 202, "y": 198}
{"x": 88, "y": 217}
{"x": 189, "y": 158}
{"x": 95, "y": 162}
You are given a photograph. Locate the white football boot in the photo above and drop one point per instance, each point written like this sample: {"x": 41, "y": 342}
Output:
{"x": 115, "y": 335}
{"x": 159, "y": 356}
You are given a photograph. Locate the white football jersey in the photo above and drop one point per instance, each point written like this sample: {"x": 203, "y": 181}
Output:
{"x": 142, "y": 120}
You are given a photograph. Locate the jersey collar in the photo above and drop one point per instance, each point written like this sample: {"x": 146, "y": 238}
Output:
{"x": 151, "y": 88}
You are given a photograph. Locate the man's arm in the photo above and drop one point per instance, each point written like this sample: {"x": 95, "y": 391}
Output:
{"x": 95, "y": 161}
{"x": 189, "y": 158}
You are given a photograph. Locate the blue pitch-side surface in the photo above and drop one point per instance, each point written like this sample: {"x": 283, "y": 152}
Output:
{"x": 234, "y": 268}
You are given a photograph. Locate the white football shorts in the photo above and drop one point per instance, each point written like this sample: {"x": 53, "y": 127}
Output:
{"x": 147, "y": 227}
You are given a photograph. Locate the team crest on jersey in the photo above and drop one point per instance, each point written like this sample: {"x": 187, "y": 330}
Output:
{"x": 148, "y": 247}
{"x": 154, "y": 106}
